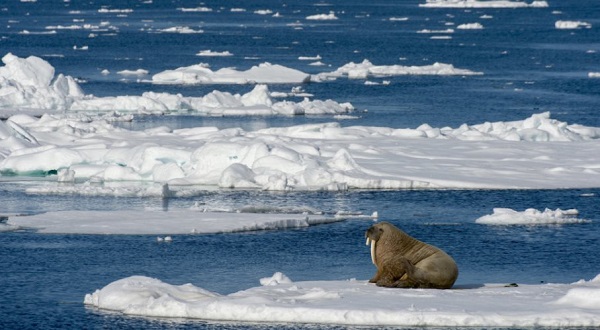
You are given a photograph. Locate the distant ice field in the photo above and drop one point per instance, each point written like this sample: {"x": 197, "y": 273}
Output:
{"x": 546, "y": 70}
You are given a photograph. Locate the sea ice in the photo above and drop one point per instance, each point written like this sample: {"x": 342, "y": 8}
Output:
{"x": 322, "y": 17}
{"x": 355, "y": 302}
{"x": 367, "y": 69}
{"x": 30, "y": 86}
{"x": 470, "y": 26}
{"x": 503, "y": 216}
{"x": 160, "y": 222}
{"x": 569, "y": 25}
{"x": 482, "y": 4}
{"x": 538, "y": 152}
{"x": 265, "y": 73}
{"x": 209, "y": 52}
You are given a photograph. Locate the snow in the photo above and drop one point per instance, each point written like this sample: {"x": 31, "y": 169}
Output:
{"x": 536, "y": 153}
{"x": 570, "y": 25}
{"x": 356, "y": 302}
{"x": 265, "y": 73}
{"x": 482, "y": 4}
{"x": 29, "y": 85}
{"x": 503, "y": 216}
{"x": 149, "y": 222}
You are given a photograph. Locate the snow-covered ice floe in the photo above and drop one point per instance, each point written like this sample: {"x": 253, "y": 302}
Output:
{"x": 483, "y": 4}
{"x": 265, "y": 73}
{"x": 149, "y": 222}
{"x": 322, "y": 17}
{"x": 354, "y": 302}
{"x": 366, "y": 69}
{"x": 570, "y": 25}
{"x": 470, "y": 26}
{"x": 209, "y": 52}
{"x": 538, "y": 152}
{"x": 29, "y": 85}
{"x": 504, "y": 216}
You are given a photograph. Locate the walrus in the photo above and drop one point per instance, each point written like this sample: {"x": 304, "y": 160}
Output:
{"x": 405, "y": 262}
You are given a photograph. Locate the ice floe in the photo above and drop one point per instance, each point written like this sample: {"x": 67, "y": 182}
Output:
{"x": 132, "y": 222}
{"x": 209, "y": 52}
{"x": 29, "y": 85}
{"x": 322, "y": 17}
{"x": 366, "y": 69}
{"x": 570, "y": 25}
{"x": 470, "y": 26}
{"x": 483, "y": 4}
{"x": 138, "y": 72}
{"x": 356, "y": 302}
{"x": 265, "y": 73}
{"x": 181, "y": 29}
{"x": 196, "y": 10}
{"x": 504, "y": 216}
{"x": 538, "y": 152}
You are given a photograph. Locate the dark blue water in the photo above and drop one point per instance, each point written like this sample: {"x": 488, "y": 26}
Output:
{"x": 45, "y": 277}
{"x": 529, "y": 67}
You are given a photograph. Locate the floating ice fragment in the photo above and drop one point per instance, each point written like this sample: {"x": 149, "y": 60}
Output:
{"x": 569, "y": 25}
{"x": 504, "y": 216}
{"x": 482, "y": 4}
{"x": 322, "y": 17}
{"x": 277, "y": 278}
{"x": 470, "y": 26}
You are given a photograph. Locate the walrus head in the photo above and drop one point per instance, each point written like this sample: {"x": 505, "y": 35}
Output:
{"x": 373, "y": 234}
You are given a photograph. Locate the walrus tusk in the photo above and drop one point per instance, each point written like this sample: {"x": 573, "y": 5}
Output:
{"x": 368, "y": 241}
{"x": 373, "y": 259}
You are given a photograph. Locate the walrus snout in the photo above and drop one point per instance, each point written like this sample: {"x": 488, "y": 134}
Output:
{"x": 373, "y": 234}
